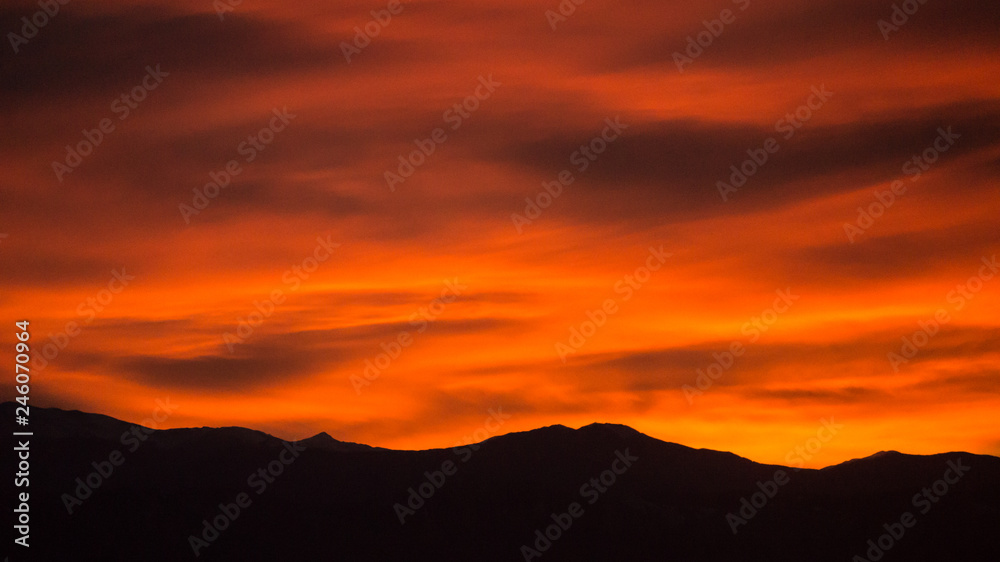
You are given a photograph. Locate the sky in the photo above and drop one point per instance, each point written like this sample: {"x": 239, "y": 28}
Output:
{"x": 727, "y": 224}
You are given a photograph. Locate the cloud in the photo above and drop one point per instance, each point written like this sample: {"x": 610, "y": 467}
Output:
{"x": 120, "y": 45}
{"x": 669, "y": 170}
{"x": 324, "y": 175}
{"x": 214, "y": 372}
{"x": 903, "y": 255}
{"x": 771, "y": 35}
{"x": 849, "y": 395}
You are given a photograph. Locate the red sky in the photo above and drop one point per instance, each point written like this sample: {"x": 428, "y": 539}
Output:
{"x": 522, "y": 287}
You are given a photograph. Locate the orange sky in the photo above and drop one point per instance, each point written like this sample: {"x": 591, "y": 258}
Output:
{"x": 521, "y": 286}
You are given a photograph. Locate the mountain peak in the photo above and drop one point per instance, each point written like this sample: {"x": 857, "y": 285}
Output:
{"x": 323, "y": 440}
{"x": 885, "y": 454}
{"x": 620, "y": 429}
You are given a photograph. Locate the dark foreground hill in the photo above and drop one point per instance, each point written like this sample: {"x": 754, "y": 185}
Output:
{"x": 101, "y": 489}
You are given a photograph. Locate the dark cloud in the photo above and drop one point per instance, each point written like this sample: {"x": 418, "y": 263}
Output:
{"x": 898, "y": 256}
{"x": 849, "y": 395}
{"x": 975, "y": 384}
{"x": 106, "y": 54}
{"x": 770, "y": 35}
{"x": 671, "y": 368}
{"x": 55, "y": 266}
{"x": 669, "y": 170}
{"x": 217, "y": 373}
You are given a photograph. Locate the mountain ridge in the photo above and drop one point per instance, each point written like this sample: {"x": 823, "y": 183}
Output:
{"x": 109, "y": 490}
{"x": 326, "y": 441}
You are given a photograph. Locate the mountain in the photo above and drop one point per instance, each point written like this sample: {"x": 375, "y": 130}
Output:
{"x": 103, "y": 489}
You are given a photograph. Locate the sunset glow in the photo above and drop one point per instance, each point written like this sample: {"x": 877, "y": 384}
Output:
{"x": 284, "y": 301}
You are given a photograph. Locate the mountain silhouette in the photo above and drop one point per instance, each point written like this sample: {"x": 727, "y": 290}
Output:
{"x": 104, "y": 489}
